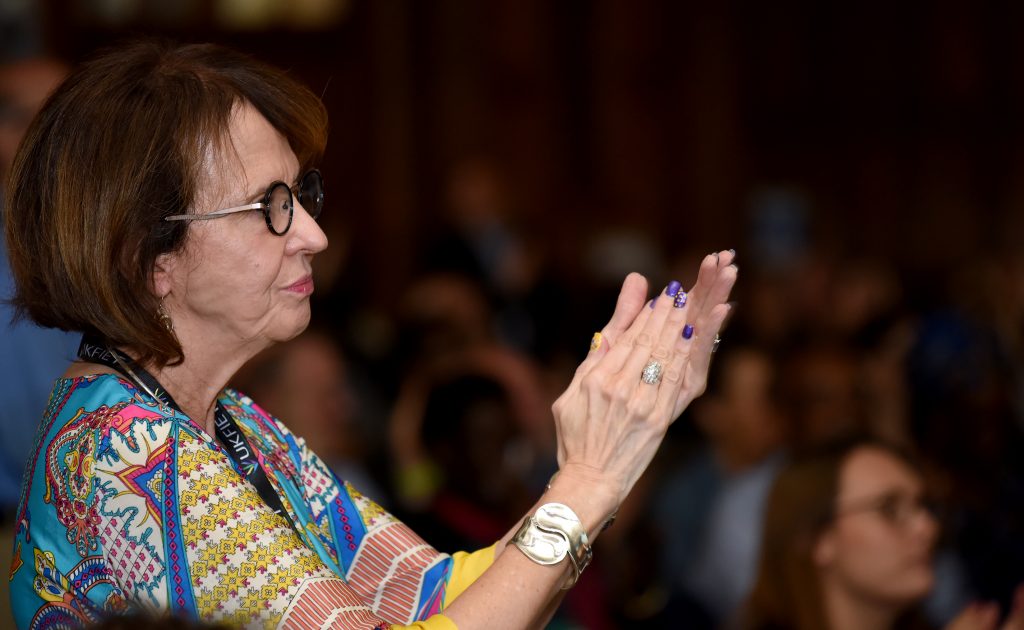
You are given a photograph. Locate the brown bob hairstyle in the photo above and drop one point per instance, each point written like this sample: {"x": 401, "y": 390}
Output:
{"x": 119, "y": 146}
{"x": 787, "y": 592}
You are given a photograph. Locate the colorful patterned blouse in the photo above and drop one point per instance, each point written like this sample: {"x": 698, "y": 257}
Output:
{"x": 127, "y": 505}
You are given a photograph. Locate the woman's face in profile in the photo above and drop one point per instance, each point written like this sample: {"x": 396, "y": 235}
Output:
{"x": 236, "y": 282}
{"x": 879, "y": 545}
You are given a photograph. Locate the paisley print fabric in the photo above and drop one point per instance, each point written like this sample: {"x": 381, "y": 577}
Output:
{"x": 128, "y": 505}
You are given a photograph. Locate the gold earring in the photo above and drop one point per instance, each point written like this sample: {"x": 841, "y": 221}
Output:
{"x": 165, "y": 318}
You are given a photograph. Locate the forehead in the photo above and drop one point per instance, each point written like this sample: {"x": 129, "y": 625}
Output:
{"x": 871, "y": 471}
{"x": 250, "y": 155}
{"x": 248, "y": 129}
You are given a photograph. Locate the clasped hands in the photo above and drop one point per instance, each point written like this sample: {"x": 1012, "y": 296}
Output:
{"x": 609, "y": 421}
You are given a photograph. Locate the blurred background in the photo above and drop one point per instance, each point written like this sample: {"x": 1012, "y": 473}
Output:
{"x": 495, "y": 168}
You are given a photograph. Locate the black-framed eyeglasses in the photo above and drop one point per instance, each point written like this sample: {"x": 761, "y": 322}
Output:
{"x": 278, "y": 204}
{"x": 896, "y": 508}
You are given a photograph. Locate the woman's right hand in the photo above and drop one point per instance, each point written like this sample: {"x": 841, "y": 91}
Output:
{"x": 609, "y": 422}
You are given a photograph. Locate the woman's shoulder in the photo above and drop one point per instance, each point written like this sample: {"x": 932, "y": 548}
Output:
{"x": 94, "y": 391}
{"x": 100, "y": 401}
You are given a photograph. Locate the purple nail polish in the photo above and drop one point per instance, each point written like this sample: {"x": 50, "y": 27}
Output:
{"x": 687, "y": 331}
{"x": 673, "y": 288}
{"x": 651, "y": 303}
{"x": 680, "y": 300}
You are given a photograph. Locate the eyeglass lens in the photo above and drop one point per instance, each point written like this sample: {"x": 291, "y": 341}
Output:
{"x": 311, "y": 193}
{"x": 279, "y": 208}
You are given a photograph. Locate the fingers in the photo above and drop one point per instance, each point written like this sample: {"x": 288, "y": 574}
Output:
{"x": 636, "y": 346}
{"x": 628, "y": 306}
{"x": 635, "y": 335}
{"x": 631, "y": 300}
{"x": 656, "y": 335}
{"x": 657, "y": 342}
{"x": 686, "y": 377}
{"x": 709, "y": 289}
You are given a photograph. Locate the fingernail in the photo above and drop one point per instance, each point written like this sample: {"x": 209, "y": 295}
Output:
{"x": 733, "y": 252}
{"x": 680, "y": 300}
{"x": 651, "y": 303}
{"x": 735, "y": 267}
{"x": 673, "y": 288}
{"x": 687, "y": 331}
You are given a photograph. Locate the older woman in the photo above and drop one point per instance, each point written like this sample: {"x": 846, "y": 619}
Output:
{"x": 164, "y": 203}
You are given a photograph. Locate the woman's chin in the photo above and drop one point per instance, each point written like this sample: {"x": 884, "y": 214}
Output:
{"x": 288, "y": 328}
{"x": 918, "y": 583}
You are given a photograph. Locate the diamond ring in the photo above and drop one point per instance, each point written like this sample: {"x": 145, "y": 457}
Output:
{"x": 652, "y": 373}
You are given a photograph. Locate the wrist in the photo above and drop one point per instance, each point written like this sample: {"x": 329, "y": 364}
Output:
{"x": 592, "y": 494}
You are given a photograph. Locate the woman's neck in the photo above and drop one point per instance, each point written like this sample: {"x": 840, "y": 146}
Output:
{"x": 845, "y": 610}
{"x": 195, "y": 389}
{"x": 196, "y": 383}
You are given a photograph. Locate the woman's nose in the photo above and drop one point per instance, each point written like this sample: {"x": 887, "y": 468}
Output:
{"x": 309, "y": 235}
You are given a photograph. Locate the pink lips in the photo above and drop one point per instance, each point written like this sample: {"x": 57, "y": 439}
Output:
{"x": 304, "y": 286}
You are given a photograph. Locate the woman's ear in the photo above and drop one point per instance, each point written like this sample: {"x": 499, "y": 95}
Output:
{"x": 163, "y": 274}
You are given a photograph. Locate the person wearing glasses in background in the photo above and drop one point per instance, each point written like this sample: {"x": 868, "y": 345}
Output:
{"x": 164, "y": 204}
{"x": 847, "y": 545}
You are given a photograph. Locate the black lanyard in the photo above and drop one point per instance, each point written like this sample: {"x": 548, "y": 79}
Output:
{"x": 228, "y": 433}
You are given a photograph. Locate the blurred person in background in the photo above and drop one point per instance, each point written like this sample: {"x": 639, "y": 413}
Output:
{"x": 441, "y": 316}
{"x": 821, "y": 388}
{"x": 474, "y": 427}
{"x": 483, "y": 241}
{"x": 708, "y": 512}
{"x": 29, "y": 355}
{"x": 847, "y": 545}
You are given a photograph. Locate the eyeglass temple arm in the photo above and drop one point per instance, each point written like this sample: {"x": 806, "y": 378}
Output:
{"x": 213, "y": 215}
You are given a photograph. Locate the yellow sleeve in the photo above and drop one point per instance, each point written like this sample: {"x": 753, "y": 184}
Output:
{"x": 434, "y": 622}
{"x": 466, "y": 569}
